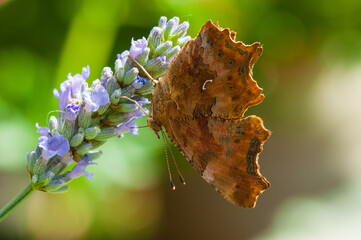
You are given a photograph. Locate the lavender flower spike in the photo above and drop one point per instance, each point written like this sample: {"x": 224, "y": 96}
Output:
{"x": 88, "y": 116}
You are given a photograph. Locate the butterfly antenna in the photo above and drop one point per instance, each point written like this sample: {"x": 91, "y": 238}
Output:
{"x": 144, "y": 70}
{"x": 166, "y": 156}
{"x": 175, "y": 163}
{"x": 136, "y": 103}
{"x": 141, "y": 127}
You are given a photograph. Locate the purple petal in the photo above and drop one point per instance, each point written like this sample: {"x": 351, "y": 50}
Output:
{"x": 44, "y": 131}
{"x": 85, "y": 72}
{"x": 89, "y": 105}
{"x": 64, "y": 94}
{"x": 56, "y": 93}
{"x": 137, "y": 47}
{"x": 56, "y": 145}
{"x": 143, "y": 101}
{"x": 76, "y": 85}
{"x": 123, "y": 55}
{"x": 79, "y": 169}
{"x": 139, "y": 82}
{"x": 100, "y": 96}
{"x": 72, "y": 111}
{"x": 133, "y": 128}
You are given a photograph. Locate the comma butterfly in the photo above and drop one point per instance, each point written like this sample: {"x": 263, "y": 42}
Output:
{"x": 200, "y": 102}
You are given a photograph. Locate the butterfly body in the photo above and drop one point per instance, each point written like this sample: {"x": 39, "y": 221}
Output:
{"x": 200, "y": 103}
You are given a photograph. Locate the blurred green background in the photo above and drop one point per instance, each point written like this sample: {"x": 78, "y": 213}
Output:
{"x": 311, "y": 74}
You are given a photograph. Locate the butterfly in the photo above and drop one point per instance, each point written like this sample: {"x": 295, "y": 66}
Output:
{"x": 200, "y": 102}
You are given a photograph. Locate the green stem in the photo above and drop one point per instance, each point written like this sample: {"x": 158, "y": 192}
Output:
{"x": 15, "y": 202}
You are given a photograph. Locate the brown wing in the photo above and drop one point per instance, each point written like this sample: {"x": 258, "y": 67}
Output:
{"x": 225, "y": 153}
{"x": 215, "y": 56}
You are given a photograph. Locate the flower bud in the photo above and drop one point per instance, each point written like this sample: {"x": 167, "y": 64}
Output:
{"x": 172, "y": 52}
{"x": 57, "y": 165}
{"x": 130, "y": 76}
{"x": 128, "y": 65}
{"x": 53, "y": 123}
{"x": 106, "y": 133}
{"x": 96, "y": 144}
{"x": 118, "y": 65}
{"x": 169, "y": 29}
{"x": 143, "y": 58}
{"x": 160, "y": 71}
{"x": 107, "y": 73}
{"x": 43, "y": 180}
{"x": 115, "y": 118}
{"x": 162, "y": 48}
{"x": 128, "y": 107}
{"x": 120, "y": 74}
{"x": 147, "y": 88}
{"x": 175, "y": 19}
{"x": 84, "y": 148}
{"x": 154, "y": 64}
{"x": 181, "y": 30}
{"x": 56, "y": 186}
{"x": 162, "y": 22}
{"x": 39, "y": 166}
{"x": 183, "y": 40}
{"x": 84, "y": 119}
{"x": 91, "y": 133}
{"x": 139, "y": 82}
{"x": 128, "y": 92}
{"x": 112, "y": 85}
{"x": 31, "y": 160}
{"x": 78, "y": 138}
{"x": 114, "y": 98}
{"x": 69, "y": 129}
{"x": 103, "y": 109}
{"x": 155, "y": 38}
{"x": 95, "y": 154}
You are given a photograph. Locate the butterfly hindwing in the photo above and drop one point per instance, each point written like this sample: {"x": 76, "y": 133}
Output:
{"x": 225, "y": 153}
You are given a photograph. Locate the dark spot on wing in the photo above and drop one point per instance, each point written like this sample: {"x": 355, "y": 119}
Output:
{"x": 251, "y": 156}
{"x": 228, "y": 45}
{"x": 229, "y": 77}
{"x": 220, "y": 53}
{"x": 237, "y": 140}
{"x": 241, "y": 51}
{"x": 211, "y": 43}
{"x": 241, "y": 72}
{"x": 235, "y": 98}
{"x": 239, "y": 129}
